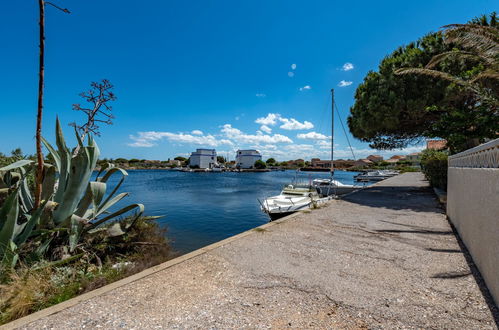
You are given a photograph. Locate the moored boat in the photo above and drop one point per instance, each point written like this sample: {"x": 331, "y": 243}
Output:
{"x": 331, "y": 187}
{"x": 291, "y": 199}
{"x": 375, "y": 175}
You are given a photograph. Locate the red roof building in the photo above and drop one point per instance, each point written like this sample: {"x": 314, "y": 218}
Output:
{"x": 436, "y": 144}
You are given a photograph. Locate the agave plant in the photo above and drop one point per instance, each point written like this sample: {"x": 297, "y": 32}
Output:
{"x": 16, "y": 223}
{"x": 72, "y": 203}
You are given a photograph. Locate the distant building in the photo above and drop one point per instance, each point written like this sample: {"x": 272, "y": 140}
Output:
{"x": 316, "y": 162}
{"x": 339, "y": 163}
{"x": 375, "y": 158}
{"x": 174, "y": 162}
{"x": 392, "y": 160}
{"x": 415, "y": 157}
{"x": 395, "y": 159}
{"x": 362, "y": 163}
{"x": 203, "y": 158}
{"x": 436, "y": 144}
{"x": 247, "y": 158}
{"x": 295, "y": 162}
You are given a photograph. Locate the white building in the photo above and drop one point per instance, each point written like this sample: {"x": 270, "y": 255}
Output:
{"x": 203, "y": 158}
{"x": 247, "y": 158}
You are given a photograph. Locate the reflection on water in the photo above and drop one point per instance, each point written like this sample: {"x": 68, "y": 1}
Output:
{"x": 202, "y": 208}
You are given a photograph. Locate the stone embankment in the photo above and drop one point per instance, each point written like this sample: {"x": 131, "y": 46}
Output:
{"x": 383, "y": 257}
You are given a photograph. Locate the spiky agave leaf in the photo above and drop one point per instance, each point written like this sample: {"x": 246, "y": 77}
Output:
{"x": 9, "y": 213}
{"x": 124, "y": 210}
{"x": 112, "y": 170}
{"x": 16, "y": 165}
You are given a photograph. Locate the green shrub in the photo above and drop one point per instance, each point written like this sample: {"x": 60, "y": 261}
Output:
{"x": 260, "y": 164}
{"x": 434, "y": 167}
{"x": 405, "y": 169}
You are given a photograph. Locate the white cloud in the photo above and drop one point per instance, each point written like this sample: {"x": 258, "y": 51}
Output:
{"x": 260, "y": 95}
{"x": 305, "y": 88}
{"x": 347, "y": 66}
{"x": 312, "y": 136}
{"x": 293, "y": 66}
{"x": 293, "y": 124}
{"x": 271, "y": 119}
{"x": 287, "y": 123}
{"x": 148, "y": 139}
{"x": 240, "y": 137}
{"x": 344, "y": 83}
{"x": 266, "y": 129}
{"x": 323, "y": 144}
{"x": 140, "y": 144}
{"x": 291, "y": 74}
{"x": 197, "y": 132}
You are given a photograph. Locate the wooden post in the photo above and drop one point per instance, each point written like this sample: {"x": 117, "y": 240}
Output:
{"x": 39, "y": 115}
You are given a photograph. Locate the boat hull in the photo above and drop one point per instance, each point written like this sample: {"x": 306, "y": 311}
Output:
{"x": 338, "y": 191}
{"x": 276, "y": 216}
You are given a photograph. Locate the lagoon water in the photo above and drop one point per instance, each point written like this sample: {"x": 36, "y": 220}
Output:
{"x": 203, "y": 208}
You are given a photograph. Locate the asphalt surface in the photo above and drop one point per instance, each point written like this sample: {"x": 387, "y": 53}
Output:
{"x": 385, "y": 257}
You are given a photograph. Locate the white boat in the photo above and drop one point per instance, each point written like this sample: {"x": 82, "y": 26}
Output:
{"x": 375, "y": 175}
{"x": 217, "y": 169}
{"x": 330, "y": 187}
{"x": 290, "y": 200}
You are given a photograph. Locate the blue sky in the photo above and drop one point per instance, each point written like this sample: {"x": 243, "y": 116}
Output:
{"x": 192, "y": 74}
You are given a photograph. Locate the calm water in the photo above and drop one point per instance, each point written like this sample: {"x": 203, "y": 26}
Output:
{"x": 202, "y": 208}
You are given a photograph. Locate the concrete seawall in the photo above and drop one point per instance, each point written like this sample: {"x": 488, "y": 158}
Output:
{"x": 383, "y": 257}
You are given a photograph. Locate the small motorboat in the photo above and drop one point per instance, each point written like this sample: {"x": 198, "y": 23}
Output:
{"x": 375, "y": 175}
{"x": 217, "y": 169}
{"x": 331, "y": 187}
{"x": 290, "y": 200}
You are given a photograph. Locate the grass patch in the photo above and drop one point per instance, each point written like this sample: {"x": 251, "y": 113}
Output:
{"x": 30, "y": 288}
{"x": 260, "y": 230}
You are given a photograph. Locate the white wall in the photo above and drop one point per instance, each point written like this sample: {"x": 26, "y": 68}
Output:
{"x": 247, "y": 158}
{"x": 473, "y": 207}
{"x": 204, "y": 158}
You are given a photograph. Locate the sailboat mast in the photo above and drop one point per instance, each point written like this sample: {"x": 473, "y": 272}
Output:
{"x": 332, "y": 131}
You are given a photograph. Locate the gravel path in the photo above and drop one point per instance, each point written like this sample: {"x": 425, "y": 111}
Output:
{"x": 385, "y": 257}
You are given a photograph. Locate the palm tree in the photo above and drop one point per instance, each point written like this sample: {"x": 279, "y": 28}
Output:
{"x": 477, "y": 41}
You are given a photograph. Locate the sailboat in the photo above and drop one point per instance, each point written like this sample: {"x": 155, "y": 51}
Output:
{"x": 332, "y": 187}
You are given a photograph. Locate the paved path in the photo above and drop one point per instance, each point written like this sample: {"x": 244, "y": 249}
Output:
{"x": 384, "y": 257}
